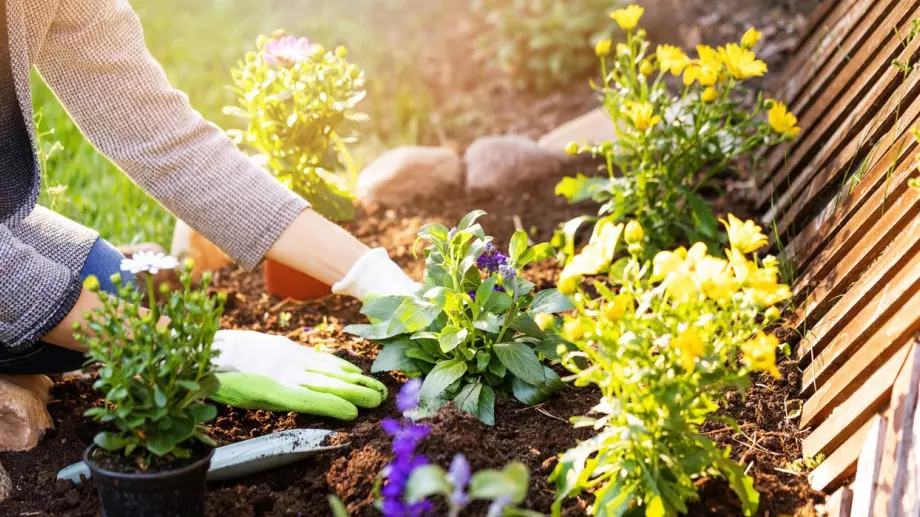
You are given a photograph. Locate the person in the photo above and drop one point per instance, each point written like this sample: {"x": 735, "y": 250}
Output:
{"x": 92, "y": 54}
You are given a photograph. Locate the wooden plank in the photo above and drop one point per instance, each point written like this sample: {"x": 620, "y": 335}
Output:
{"x": 829, "y": 355}
{"x": 840, "y": 465}
{"x": 867, "y": 469}
{"x": 838, "y": 299}
{"x": 842, "y": 86}
{"x": 826, "y": 302}
{"x": 842, "y": 136}
{"x": 911, "y": 501}
{"x": 867, "y": 401}
{"x": 890, "y": 486}
{"x": 840, "y": 503}
{"x": 881, "y": 345}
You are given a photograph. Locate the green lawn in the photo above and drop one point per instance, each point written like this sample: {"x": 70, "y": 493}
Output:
{"x": 197, "y": 43}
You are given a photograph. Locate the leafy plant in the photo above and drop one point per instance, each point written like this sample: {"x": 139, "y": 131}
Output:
{"x": 154, "y": 374}
{"x": 663, "y": 340}
{"x": 297, "y": 99}
{"x": 669, "y": 146}
{"x": 541, "y": 43}
{"x": 469, "y": 329}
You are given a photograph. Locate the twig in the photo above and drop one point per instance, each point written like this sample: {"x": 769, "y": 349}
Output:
{"x": 280, "y": 305}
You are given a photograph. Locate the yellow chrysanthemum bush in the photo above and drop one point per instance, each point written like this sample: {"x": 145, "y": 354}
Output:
{"x": 663, "y": 340}
{"x": 672, "y": 140}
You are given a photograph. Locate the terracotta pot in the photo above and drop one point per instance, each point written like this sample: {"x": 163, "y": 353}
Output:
{"x": 286, "y": 282}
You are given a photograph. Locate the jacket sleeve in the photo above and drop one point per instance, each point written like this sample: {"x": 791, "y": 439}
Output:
{"x": 38, "y": 292}
{"x": 95, "y": 60}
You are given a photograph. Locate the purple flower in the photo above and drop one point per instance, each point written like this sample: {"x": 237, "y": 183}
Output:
{"x": 507, "y": 272}
{"x": 453, "y": 232}
{"x": 459, "y": 476}
{"x": 498, "y": 506}
{"x": 408, "y": 397}
{"x": 491, "y": 259}
{"x": 287, "y": 51}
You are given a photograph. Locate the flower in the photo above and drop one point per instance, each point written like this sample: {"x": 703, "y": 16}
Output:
{"x": 459, "y": 476}
{"x": 616, "y": 308}
{"x": 642, "y": 115}
{"x": 571, "y": 148}
{"x": 287, "y": 51}
{"x": 709, "y": 94}
{"x": 667, "y": 262}
{"x": 603, "y": 47}
{"x": 671, "y": 59}
{"x": 646, "y": 68}
{"x": 574, "y": 330}
{"x": 408, "y": 397}
{"x": 491, "y": 259}
{"x": 544, "y": 320}
{"x": 707, "y": 69}
{"x": 628, "y": 17}
{"x": 622, "y": 49}
{"x": 690, "y": 346}
{"x": 745, "y": 237}
{"x": 782, "y": 121}
{"x": 148, "y": 262}
{"x": 452, "y": 233}
{"x": 750, "y": 38}
{"x": 759, "y": 353}
{"x": 634, "y": 233}
{"x": 497, "y": 508}
{"x": 741, "y": 62}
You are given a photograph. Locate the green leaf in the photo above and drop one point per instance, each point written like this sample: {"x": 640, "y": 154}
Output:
{"x": 703, "y": 218}
{"x": 441, "y": 376}
{"x": 329, "y": 200}
{"x": 188, "y": 385}
{"x": 512, "y": 481}
{"x": 426, "y": 481}
{"x": 485, "y": 290}
{"x": 521, "y": 361}
{"x": 434, "y": 231}
{"x": 488, "y": 322}
{"x": 498, "y": 302}
{"x": 469, "y": 219}
{"x": 550, "y": 301}
{"x": 483, "y": 359}
{"x": 421, "y": 355}
{"x": 537, "y": 253}
{"x": 527, "y": 326}
{"x": 530, "y": 394}
{"x": 393, "y": 358}
{"x": 468, "y": 397}
{"x": 581, "y": 187}
{"x": 382, "y": 309}
{"x": 413, "y": 315}
{"x": 518, "y": 245}
{"x": 451, "y": 337}
{"x": 159, "y": 398}
{"x": 486, "y": 410}
{"x": 109, "y": 441}
{"x": 203, "y": 412}
{"x": 337, "y": 506}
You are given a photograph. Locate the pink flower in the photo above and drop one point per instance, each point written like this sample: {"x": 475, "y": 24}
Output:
{"x": 287, "y": 51}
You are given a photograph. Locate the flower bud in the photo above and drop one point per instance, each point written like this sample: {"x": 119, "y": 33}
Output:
{"x": 341, "y": 51}
{"x": 709, "y": 95}
{"x": 772, "y": 314}
{"x": 574, "y": 330}
{"x": 646, "y": 68}
{"x": 750, "y": 38}
{"x": 115, "y": 279}
{"x": 75, "y": 326}
{"x": 622, "y": 49}
{"x": 91, "y": 283}
{"x": 567, "y": 285}
{"x": 188, "y": 264}
{"x": 206, "y": 277}
{"x": 602, "y": 48}
{"x": 634, "y": 233}
{"x": 545, "y": 321}
{"x": 164, "y": 288}
{"x": 222, "y": 297}
{"x": 571, "y": 148}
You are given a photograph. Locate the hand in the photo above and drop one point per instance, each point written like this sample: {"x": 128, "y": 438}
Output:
{"x": 262, "y": 371}
{"x": 374, "y": 274}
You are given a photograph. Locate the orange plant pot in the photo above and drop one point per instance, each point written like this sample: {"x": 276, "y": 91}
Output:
{"x": 285, "y": 282}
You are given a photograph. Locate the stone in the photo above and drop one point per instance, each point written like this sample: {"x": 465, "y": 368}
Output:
{"x": 400, "y": 175}
{"x": 189, "y": 244}
{"x": 23, "y": 417}
{"x": 40, "y": 385}
{"x": 591, "y": 128}
{"x": 497, "y": 162}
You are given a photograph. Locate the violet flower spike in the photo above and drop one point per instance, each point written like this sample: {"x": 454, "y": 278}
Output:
{"x": 497, "y": 508}
{"x": 459, "y": 476}
{"x": 408, "y": 397}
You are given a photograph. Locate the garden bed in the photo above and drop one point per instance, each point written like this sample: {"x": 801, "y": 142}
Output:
{"x": 534, "y": 435}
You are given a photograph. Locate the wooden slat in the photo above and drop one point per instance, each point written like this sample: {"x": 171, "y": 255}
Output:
{"x": 899, "y": 328}
{"x": 867, "y": 401}
{"x": 900, "y": 424}
{"x": 897, "y": 265}
{"x": 840, "y": 503}
{"x": 840, "y": 140}
{"x": 840, "y": 465}
{"x": 911, "y": 500}
{"x": 839, "y": 89}
{"x": 873, "y": 314}
{"x": 867, "y": 469}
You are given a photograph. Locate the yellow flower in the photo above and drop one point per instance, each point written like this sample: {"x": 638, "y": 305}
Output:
{"x": 782, "y": 121}
{"x": 571, "y": 148}
{"x": 750, "y": 38}
{"x": 615, "y": 309}
{"x": 646, "y": 68}
{"x": 708, "y": 56}
{"x": 603, "y": 47}
{"x": 544, "y": 320}
{"x": 574, "y": 330}
{"x": 627, "y": 18}
{"x": 760, "y": 353}
{"x": 671, "y": 59}
{"x": 665, "y": 263}
{"x": 634, "y": 233}
{"x": 709, "y": 95}
{"x": 690, "y": 346}
{"x": 746, "y": 236}
{"x": 741, "y": 62}
{"x": 593, "y": 258}
{"x": 715, "y": 278}
{"x": 642, "y": 115}
{"x": 707, "y": 70}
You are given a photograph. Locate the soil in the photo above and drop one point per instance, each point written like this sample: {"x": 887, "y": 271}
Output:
{"x": 767, "y": 440}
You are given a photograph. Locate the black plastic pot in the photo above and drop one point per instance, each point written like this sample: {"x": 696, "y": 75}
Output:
{"x": 169, "y": 493}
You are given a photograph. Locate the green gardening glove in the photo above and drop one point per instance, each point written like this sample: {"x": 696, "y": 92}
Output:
{"x": 262, "y": 371}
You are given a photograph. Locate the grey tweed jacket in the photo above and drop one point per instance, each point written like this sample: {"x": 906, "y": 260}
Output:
{"x": 92, "y": 55}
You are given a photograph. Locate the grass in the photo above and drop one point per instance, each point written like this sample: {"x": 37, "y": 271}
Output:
{"x": 198, "y": 43}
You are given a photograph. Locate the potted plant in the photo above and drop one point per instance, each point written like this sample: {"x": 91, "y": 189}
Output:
{"x": 297, "y": 99}
{"x": 153, "y": 455}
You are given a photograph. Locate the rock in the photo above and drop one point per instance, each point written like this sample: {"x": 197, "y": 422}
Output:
{"x": 187, "y": 243}
{"x": 23, "y": 418}
{"x": 404, "y": 173}
{"x": 39, "y": 385}
{"x": 496, "y": 162}
{"x": 6, "y": 484}
{"x": 591, "y": 128}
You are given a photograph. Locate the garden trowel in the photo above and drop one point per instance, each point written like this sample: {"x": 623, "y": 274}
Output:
{"x": 246, "y": 457}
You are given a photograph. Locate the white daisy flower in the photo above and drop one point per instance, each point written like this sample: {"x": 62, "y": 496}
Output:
{"x": 148, "y": 261}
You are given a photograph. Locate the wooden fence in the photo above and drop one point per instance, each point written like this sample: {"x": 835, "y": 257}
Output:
{"x": 839, "y": 203}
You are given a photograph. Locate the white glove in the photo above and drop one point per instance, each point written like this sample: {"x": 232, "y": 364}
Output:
{"x": 374, "y": 274}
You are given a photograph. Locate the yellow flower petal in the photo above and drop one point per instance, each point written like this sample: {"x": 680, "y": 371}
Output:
{"x": 782, "y": 121}
{"x": 750, "y": 38}
{"x": 628, "y": 17}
